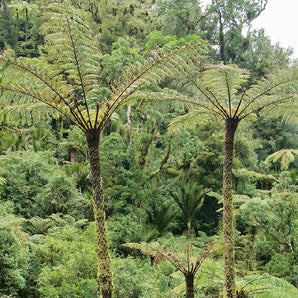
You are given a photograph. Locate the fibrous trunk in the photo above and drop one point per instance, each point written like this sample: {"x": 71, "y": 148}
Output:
{"x": 104, "y": 260}
{"x": 189, "y": 279}
{"x": 228, "y": 229}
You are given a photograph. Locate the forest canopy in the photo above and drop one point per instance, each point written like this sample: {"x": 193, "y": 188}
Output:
{"x": 147, "y": 149}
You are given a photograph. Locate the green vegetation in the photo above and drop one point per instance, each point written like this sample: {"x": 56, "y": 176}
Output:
{"x": 125, "y": 167}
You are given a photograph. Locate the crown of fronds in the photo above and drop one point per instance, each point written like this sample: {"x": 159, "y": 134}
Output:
{"x": 68, "y": 84}
{"x": 220, "y": 90}
{"x": 184, "y": 265}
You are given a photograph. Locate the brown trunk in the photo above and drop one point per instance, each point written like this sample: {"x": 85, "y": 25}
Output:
{"x": 189, "y": 279}
{"x": 228, "y": 229}
{"x": 74, "y": 155}
{"x": 104, "y": 260}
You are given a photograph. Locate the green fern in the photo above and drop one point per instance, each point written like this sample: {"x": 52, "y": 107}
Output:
{"x": 286, "y": 156}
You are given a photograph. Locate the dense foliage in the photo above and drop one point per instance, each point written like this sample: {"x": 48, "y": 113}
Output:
{"x": 162, "y": 187}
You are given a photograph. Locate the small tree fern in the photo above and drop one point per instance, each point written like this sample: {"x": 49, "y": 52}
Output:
{"x": 286, "y": 156}
{"x": 188, "y": 265}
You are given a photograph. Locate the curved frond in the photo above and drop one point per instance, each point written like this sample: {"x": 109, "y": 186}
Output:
{"x": 224, "y": 83}
{"x": 286, "y": 156}
{"x": 287, "y": 109}
{"x": 28, "y": 112}
{"x": 279, "y": 88}
{"x": 189, "y": 121}
{"x": 26, "y": 82}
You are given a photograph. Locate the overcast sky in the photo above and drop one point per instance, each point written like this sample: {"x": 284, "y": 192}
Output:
{"x": 280, "y": 21}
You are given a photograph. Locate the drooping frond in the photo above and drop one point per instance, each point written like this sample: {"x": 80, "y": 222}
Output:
{"x": 287, "y": 109}
{"x": 29, "y": 112}
{"x": 286, "y": 156}
{"x": 279, "y": 88}
{"x": 189, "y": 120}
{"x": 26, "y": 82}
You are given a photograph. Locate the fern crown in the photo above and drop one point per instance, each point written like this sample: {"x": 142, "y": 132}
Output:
{"x": 66, "y": 80}
{"x": 220, "y": 90}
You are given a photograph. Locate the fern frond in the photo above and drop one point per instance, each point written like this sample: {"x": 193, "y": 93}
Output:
{"x": 286, "y": 156}
{"x": 244, "y": 173}
{"x": 225, "y": 82}
{"x": 156, "y": 67}
{"x": 287, "y": 109}
{"x": 280, "y": 87}
{"x": 69, "y": 34}
{"x": 30, "y": 112}
{"x": 189, "y": 120}
{"x": 24, "y": 82}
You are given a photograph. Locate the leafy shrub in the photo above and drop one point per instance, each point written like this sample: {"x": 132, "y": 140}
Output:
{"x": 283, "y": 266}
{"x": 69, "y": 262}
{"x": 136, "y": 278}
{"x": 14, "y": 257}
{"x": 37, "y": 186}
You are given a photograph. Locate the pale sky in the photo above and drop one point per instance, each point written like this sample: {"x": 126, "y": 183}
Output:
{"x": 280, "y": 21}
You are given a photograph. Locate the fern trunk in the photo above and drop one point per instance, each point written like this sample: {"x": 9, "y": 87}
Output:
{"x": 189, "y": 279}
{"x": 228, "y": 229}
{"x": 104, "y": 260}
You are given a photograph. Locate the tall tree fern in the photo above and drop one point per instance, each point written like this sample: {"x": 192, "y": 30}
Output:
{"x": 219, "y": 91}
{"x": 65, "y": 81}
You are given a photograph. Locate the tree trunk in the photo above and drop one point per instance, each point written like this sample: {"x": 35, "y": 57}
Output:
{"x": 221, "y": 39}
{"x": 189, "y": 279}
{"x": 104, "y": 261}
{"x": 228, "y": 229}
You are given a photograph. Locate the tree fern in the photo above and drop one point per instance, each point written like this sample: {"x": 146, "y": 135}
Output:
{"x": 66, "y": 79}
{"x": 187, "y": 265}
{"x": 286, "y": 156}
{"x": 220, "y": 90}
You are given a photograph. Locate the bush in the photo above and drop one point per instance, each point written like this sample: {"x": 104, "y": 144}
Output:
{"x": 14, "y": 257}
{"x": 40, "y": 187}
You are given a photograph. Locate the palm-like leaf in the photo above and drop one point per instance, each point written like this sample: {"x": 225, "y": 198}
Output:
{"x": 189, "y": 198}
{"x": 286, "y": 156}
{"x": 276, "y": 90}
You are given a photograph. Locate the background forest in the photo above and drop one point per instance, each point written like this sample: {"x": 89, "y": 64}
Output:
{"x": 162, "y": 187}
